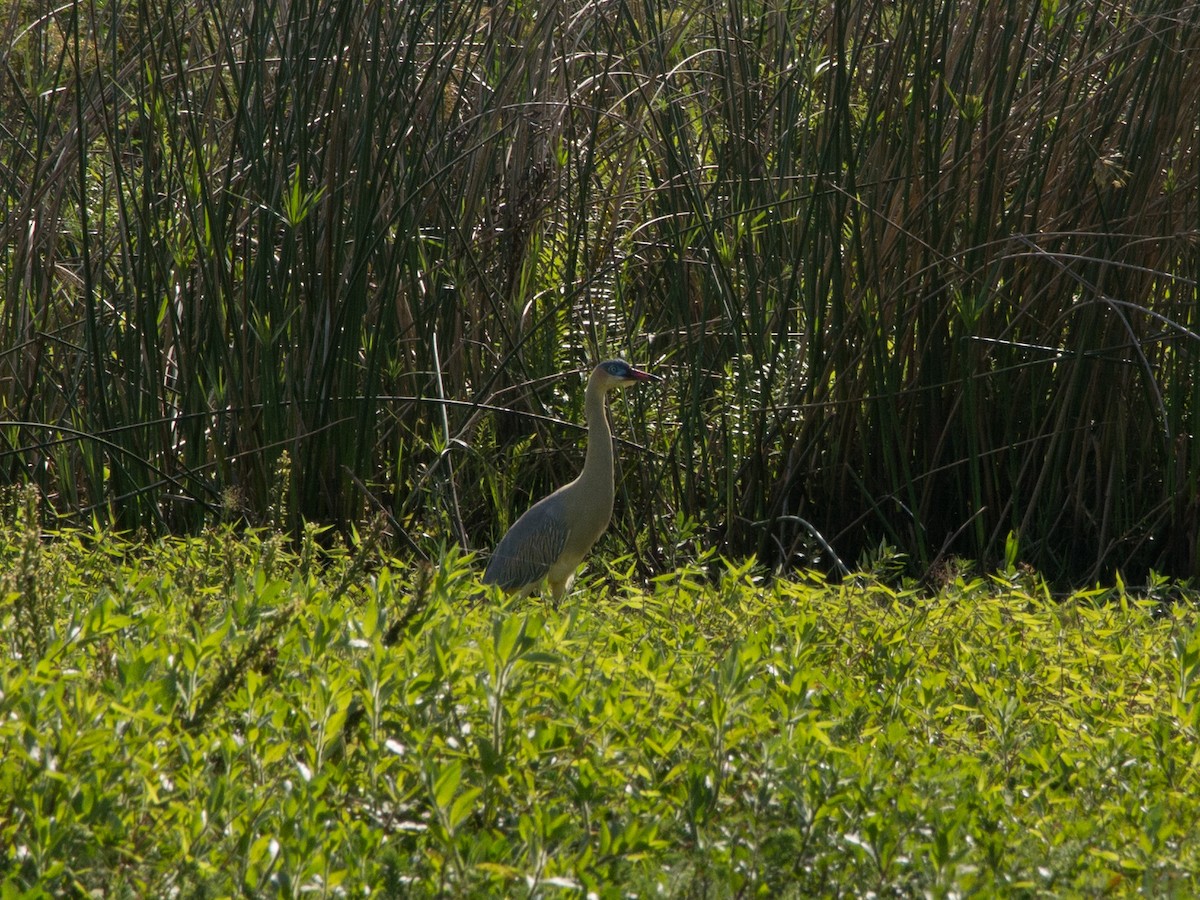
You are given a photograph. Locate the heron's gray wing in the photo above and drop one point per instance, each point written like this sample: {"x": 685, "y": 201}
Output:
{"x": 525, "y": 554}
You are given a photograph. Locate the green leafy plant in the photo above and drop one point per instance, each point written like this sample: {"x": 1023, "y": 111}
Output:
{"x": 268, "y": 728}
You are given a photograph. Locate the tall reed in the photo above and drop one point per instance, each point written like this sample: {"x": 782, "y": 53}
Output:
{"x": 921, "y": 273}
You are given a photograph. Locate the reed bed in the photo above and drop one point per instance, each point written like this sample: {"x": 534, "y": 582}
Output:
{"x": 923, "y": 275}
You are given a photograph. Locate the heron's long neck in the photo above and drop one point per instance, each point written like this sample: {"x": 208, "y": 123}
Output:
{"x": 597, "y": 471}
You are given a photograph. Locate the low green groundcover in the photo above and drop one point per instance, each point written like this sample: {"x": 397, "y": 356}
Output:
{"x": 220, "y": 716}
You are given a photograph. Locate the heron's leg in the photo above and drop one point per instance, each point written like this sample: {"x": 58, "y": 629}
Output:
{"x": 559, "y": 588}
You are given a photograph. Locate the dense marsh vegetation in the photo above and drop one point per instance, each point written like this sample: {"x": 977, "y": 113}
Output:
{"x": 218, "y": 716}
{"x": 286, "y": 287}
{"x": 921, "y": 273}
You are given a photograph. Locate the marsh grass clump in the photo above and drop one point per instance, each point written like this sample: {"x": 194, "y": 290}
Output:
{"x": 23, "y": 583}
{"x": 922, "y": 273}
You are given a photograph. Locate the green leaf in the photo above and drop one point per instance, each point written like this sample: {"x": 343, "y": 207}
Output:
{"x": 462, "y": 807}
{"x": 447, "y": 783}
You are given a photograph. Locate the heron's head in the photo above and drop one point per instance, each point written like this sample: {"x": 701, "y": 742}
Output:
{"x": 616, "y": 373}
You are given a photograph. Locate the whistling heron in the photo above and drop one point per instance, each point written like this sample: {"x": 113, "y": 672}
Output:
{"x": 552, "y": 537}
